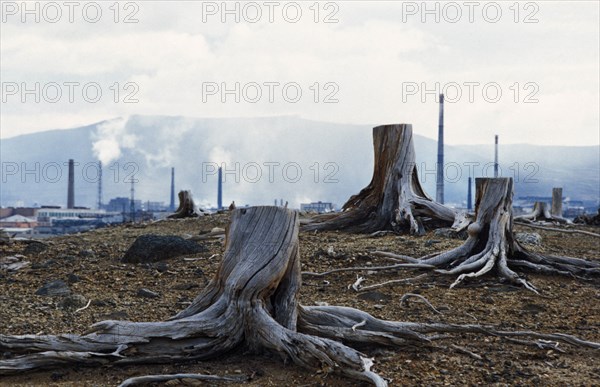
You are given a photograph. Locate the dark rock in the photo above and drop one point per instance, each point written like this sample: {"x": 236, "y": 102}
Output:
{"x": 374, "y": 296}
{"x": 72, "y": 278}
{"x": 153, "y": 248}
{"x": 431, "y": 242}
{"x": 118, "y": 315}
{"x": 54, "y": 288}
{"x": 450, "y": 233}
{"x": 199, "y": 272}
{"x": 72, "y": 301}
{"x": 532, "y": 238}
{"x": 35, "y": 247}
{"x": 105, "y": 302}
{"x": 161, "y": 267}
{"x": 67, "y": 258}
{"x": 186, "y": 286}
{"x": 147, "y": 293}
{"x": 87, "y": 253}
{"x": 43, "y": 265}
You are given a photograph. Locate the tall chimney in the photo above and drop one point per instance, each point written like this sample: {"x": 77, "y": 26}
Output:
{"x": 132, "y": 202}
{"x": 220, "y": 190}
{"x": 469, "y": 197}
{"x": 439, "y": 191}
{"x": 496, "y": 157}
{"x": 71, "y": 187}
{"x": 99, "y": 185}
{"x": 172, "y": 203}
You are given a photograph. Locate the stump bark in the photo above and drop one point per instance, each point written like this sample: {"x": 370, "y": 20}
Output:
{"x": 253, "y": 302}
{"x": 187, "y": 208}
{"x": 492, "y": 246}
{"x": 394, "y": 199}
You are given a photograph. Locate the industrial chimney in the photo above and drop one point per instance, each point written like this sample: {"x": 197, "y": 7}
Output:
{"x": 71, "y": 187}
{"x": 220, "y": 190}
{"x": 469, "y": 197}
{"x": 439, "y": 192}
{"x": 172, "y": 203}
{"x": 496, "y": 157}
{"x": 99, "y": 185}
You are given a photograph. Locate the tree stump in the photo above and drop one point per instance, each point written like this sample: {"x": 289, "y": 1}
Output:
{"x": 187, "y": 208}
{"x": 556, "y": 209}
{"x": 253, "y": 302}
{"x": 491, "y": 244}
{"x": 394, "y": 199}
{"x": 540, "y": 212}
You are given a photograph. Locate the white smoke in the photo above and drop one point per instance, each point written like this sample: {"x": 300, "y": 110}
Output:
{"x": 110, "y": 137}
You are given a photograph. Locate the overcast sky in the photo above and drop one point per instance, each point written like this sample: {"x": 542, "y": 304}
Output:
{"x": 371, "y": 62}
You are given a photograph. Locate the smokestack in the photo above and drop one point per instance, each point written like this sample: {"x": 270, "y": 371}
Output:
{"x": 71, "y": 187}
{"x": 172, "y": 204}
{"x": 99, "y": 185}
{"x": 439, "y": 192}
{"x": 469, "y": 197}
{"x": 496, "y": 157}
{"x": 220, "y": 190}
{"x": 132, "y": 202}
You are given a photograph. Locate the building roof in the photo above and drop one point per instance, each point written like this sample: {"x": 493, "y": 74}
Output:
{"x": 17, "y": 219}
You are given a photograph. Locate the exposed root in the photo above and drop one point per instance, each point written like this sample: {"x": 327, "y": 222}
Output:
{"x": 405, "y": 297}
{"x": 566, "y": 231}
{"x": 391, "y": 282}
{"x": 373, "y": 268}
{"x": 164, "y": 378}
{"x": 490, "y": 246}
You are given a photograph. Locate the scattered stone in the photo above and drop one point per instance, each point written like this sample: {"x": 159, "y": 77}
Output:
{"x": 43, "y": 265}
{"x": 147, "y": 293}
{"x": 87, "y": 253}
{"x": 161, "y": 267}
{"x": 72, "y": 302}
{"x": 431, "y": 242}
{"x": 35, "y": 247}
{"x": 531, "y": 238}
{"x": 118, "y": 315}
{"x": 374, "y": 296}
{"x": 153, "y": 248}
{"x": 72, "y": 278}
{"x": 199, "y": 272}
{"x": 450, "y": 233}
{"x": 13, "y": 263}
{"x": 54, "y": 288}
{"x": 186, "y": 286}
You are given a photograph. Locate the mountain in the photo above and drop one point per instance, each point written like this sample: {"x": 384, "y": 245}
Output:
{"x": 263, "y": 159}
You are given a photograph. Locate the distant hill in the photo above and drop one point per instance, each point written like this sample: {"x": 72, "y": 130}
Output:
{"x": 317, "y": 161}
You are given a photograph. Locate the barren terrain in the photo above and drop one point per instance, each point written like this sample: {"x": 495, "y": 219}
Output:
{"x": 565, "y": 305}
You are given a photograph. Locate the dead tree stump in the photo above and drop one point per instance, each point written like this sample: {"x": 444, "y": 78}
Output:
{"x": 556, "y": 209}
{"x": 187, "y": 208}
{"x": 253, "y": 302}
{"x": 491, "y": 244}
{"x": 394, "y": 199}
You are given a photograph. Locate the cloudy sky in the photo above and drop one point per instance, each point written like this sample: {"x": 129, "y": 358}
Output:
{"x": 529, "y": 72}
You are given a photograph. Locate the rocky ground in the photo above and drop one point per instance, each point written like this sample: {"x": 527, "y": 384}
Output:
{"x": 90, "y": 268}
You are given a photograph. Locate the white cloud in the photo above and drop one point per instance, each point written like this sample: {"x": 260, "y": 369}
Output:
{"x": 369, "y": 54}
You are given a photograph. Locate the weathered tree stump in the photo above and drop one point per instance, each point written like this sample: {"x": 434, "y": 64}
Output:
{"x": 187, "y": 208}
{"x": 253, "y": 302}
{"x": 394, "y": 199}
{"x": 540, "y": 212}
{"x": 491, "y": 244}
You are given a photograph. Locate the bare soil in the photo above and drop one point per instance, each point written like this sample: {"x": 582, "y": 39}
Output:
{"x": 566, "y": 305}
